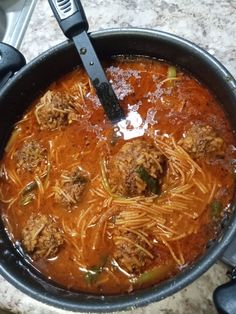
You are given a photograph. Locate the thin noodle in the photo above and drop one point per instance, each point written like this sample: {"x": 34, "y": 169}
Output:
{"x": 138, "y": 234}
{"x": 178, "y": 261}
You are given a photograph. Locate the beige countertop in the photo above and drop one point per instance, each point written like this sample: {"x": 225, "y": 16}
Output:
{"x": 209, "y": 23}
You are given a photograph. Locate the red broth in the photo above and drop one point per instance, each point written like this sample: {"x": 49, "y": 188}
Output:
{"x": 110, "y": 241}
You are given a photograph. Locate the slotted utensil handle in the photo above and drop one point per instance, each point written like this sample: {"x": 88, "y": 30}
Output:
{"x": 70, "y": 16}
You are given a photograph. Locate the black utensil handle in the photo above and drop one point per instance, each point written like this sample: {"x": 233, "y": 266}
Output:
{"x": 70, "y": 16}
{"x": 11, "y": 61}
{"x": 94, "y": 69}
{"x": 225, "y": 296}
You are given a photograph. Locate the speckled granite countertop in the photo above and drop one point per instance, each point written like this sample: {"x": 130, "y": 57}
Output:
{"x": 210, "y": 24}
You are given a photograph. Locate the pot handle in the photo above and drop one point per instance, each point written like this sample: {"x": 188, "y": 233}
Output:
{"x": 11, "y": 61}
{"x": 225, "y": 296}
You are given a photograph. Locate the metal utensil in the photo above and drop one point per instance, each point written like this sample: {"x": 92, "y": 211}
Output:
{"x": 72, "y": 20}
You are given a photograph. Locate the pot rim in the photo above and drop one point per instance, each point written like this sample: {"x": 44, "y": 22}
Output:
{"x": 172, "y": 285}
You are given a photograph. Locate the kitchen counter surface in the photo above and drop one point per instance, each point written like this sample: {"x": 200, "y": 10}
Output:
{"x": 208, "y": 23}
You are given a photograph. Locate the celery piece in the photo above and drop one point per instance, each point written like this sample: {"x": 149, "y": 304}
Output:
{"x": 156, "y": 274}
{"x": 92, "y": 274}
{"x": 171, "y": 72}
{"x": 216, "y": 208}
{"x": 152, "y": 183}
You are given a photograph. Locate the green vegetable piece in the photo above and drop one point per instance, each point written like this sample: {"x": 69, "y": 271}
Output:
{"x": 157, "y": 273}
{"x": 171, "y": 75}
{"x": 27, "y": 194}
{"x": 171, "y": 72}
{"x": 26, "y": 199}
{"x": 216, "y": 208}
{"x": 152, "y": 183}
{"x": 29, "y": 188}
{"x": 92, "y": 274}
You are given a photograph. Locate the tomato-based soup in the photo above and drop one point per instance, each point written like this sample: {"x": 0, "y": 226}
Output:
{"x": 108, "y": 208}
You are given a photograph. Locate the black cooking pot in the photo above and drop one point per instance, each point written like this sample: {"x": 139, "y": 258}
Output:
{"x": 32, "y": 79}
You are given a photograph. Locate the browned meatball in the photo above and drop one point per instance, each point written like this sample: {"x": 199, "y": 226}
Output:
{"x": 137, "y": 169}
{"x": 202, "y": 141}
{"x": 130, "y": 251}
{"x": 31, "y": 156}
{"x": 70, "y": 187}
{"x": 41, "y": 237}
{"x": 55, "y": 110}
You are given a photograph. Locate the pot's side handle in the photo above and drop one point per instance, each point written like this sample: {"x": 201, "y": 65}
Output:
{"x": 225, "y": 296}
{"x": 11, "y": 61}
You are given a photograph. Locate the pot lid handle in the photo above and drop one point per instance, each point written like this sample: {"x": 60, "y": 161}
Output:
{"x": 11, "y": 61}
{"x": 224, "y": 296}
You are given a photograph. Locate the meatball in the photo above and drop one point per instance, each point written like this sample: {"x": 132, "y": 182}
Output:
{"x": 130, "y": 252}
{"x": 41, "y": 237}
{"x": 31, "y": 156}
{"x": 70, "y": 187}
{"x": 202, "y": 141}
{"x": 137, "y": 169}
{"x": 55, "y": 110}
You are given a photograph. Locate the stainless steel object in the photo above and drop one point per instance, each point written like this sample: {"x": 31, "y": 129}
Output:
{"x": 14, "y": 19}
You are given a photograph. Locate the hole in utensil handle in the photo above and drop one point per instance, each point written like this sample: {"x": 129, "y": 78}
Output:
{"x": 70, "y": 16}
